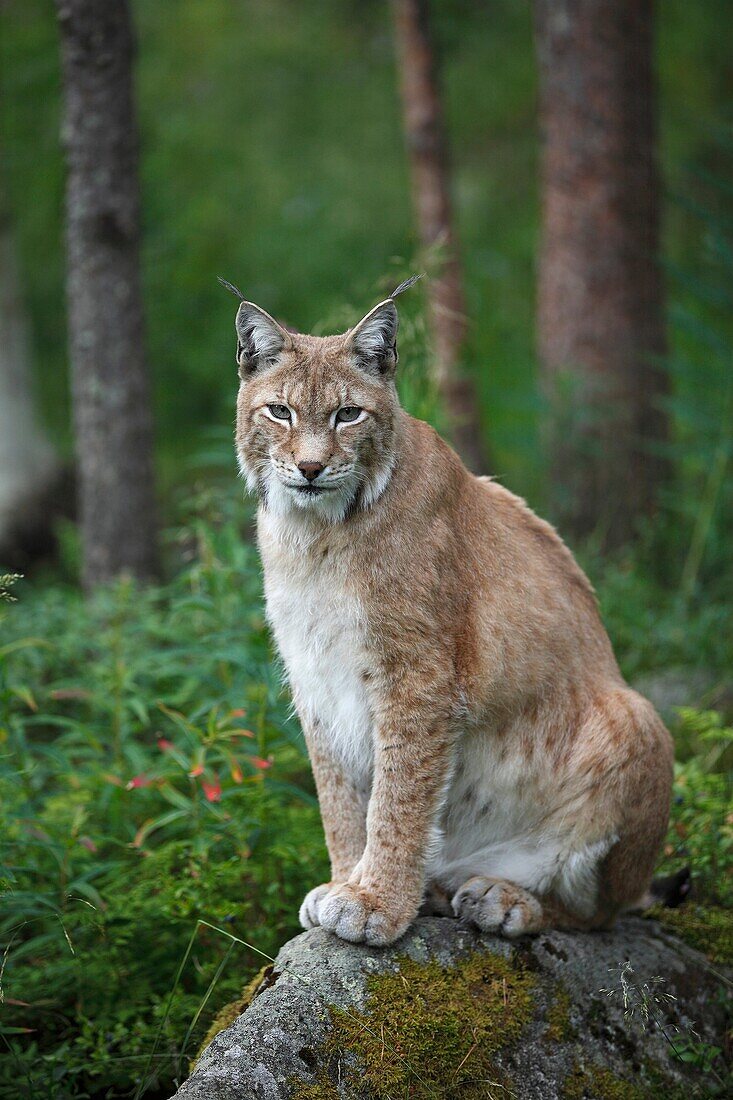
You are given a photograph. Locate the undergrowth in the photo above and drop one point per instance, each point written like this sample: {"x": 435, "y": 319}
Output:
{"x": 158, "y": 812}
{"x": 151, "y": 776}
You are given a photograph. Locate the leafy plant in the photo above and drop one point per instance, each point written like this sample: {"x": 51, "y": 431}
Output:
{"x": 701, "y": 829}
{"x": 152, "y": 777}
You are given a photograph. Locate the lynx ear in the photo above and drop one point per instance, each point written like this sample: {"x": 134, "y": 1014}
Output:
{"x": 373, "y": 342}
{"x": 260, "y": 339}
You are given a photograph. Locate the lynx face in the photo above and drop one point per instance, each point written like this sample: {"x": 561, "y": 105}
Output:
{"x": 315, "y": 415}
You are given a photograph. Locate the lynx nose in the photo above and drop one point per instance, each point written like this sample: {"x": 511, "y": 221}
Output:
{"x": 311, "y": 470}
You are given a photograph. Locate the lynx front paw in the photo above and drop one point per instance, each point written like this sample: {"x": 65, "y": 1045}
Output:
{"x": 308, "y": 914}
{"x": 360, "y": 916}
{"x": 497, "y": 906}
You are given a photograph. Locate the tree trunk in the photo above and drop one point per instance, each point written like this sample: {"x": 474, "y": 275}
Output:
{"x": 601, "y": 315}
{"x": 110, "y": 387}
{"x": 31, "y": 482}
{"x": 428, "y": 153}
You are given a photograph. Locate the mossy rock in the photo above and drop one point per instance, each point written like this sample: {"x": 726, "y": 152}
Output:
{"x": 449, "y": 1013}
{"x": 707, "y": 928}
{"x": 450, "y": 1020}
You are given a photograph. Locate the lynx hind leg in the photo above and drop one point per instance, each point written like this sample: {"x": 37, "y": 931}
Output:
{"x": 495, "y": 905}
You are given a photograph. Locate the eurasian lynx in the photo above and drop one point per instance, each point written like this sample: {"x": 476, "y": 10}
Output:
{"x": 475, "y": 748}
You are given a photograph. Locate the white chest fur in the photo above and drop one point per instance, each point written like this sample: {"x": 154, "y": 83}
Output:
{"x": 318, "y": 628}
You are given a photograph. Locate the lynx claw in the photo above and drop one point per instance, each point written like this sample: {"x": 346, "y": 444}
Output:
{"x": 357, "y": 915}
{"x": 308, "y": 914}
{"x": 494, "y": 905}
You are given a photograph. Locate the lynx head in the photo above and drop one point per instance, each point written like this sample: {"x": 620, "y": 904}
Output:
{"x": 316, "y": 415}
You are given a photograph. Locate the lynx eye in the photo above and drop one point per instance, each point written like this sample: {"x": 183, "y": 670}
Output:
{"x": 348, "y": 414}
{"x": 279, "y": 412}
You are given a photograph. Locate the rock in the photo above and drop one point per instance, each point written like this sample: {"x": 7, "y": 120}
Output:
{"x": 448, "y": 1012}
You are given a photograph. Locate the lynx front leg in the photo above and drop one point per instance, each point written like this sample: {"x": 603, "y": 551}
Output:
{"x": 383, "y": 894}
{"x": 343, "y": 813}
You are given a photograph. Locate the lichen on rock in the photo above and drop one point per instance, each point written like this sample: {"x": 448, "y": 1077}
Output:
{"x": 230, "y": 1012}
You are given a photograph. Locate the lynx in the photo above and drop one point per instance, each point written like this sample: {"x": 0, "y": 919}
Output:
{"x": 475, "y": 749}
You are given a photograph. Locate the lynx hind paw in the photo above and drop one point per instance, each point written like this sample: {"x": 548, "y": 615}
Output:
{"x": 308, "y": 913}
{"x": 494, "y": 905}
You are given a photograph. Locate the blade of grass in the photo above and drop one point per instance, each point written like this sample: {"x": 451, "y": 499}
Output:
{"x": 209, "y": 991}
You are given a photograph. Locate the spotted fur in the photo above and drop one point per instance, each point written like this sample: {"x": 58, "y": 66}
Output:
{"x": 474, "y": 745}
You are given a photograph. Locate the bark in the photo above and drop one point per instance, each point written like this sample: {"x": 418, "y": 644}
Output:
{"x": 429, "y": 165}
{"x": 31, "y": 481}
{"x": 600, "y": 310}
{"x": 110, "y": 387}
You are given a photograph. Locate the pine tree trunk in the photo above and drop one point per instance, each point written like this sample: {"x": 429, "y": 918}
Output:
{"x": 110, "y": 388}
{"x": 601, "y": 306}
{"x": 427, "y": 149}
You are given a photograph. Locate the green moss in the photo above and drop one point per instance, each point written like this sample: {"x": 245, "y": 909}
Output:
{"x": 597, "y": 1083}
{"x": 709, "y": 929}
{"x": 226, "y": 1016}
{"x": 558, "y": 1017}
{"x": 322, "y": 1089}
{"x": 600, "y": 1083}
{"x": 429, "y": 1030}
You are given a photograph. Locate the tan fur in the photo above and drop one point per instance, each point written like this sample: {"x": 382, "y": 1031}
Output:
{"x": 495, "y": 755}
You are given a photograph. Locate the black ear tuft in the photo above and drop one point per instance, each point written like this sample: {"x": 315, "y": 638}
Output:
{"x": 231, "y": 288}
{"x": 406, "y": 285}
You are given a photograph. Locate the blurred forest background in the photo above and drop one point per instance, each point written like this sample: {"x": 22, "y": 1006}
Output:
{"x": 152, "y": 776}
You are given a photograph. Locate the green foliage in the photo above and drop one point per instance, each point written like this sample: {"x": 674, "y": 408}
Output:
{"x": 698, "y": 524}
{"x": 7, "y": 580}
{"x": 701, "y": 829}
{"x": 651, "y": 627}
{"x": 152, "y": 777}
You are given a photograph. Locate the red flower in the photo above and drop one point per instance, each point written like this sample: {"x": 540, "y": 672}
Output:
{"x": 139, "y": 781}
{"x": 197, "y": 769}
{"x": 258, "y": 762}
{"x": 164, "y": 745}
{"x": 238, "y": 713}
{"x": 212, "y": 791}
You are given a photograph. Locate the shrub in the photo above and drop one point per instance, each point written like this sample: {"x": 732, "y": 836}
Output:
{"x": 152, "y": 777}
